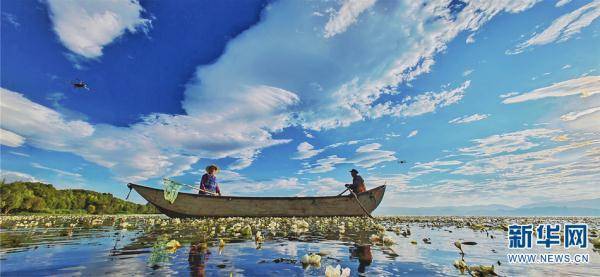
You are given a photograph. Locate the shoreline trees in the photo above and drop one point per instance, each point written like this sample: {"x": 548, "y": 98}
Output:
{"x": 30, "y": 197}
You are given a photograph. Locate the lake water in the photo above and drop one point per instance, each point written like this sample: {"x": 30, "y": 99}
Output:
{"x": 391, "y": 246}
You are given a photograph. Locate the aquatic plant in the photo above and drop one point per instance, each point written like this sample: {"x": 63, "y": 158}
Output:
{"x": 312, "y": 259}
{"x": 460, "y": 265}
{"x": 159, "y": 254}
{"x": 388, "y": 241}
{"x": 259, "y": 238}
{"x": 337, "y": 271}
{"x": 374, "y": 238}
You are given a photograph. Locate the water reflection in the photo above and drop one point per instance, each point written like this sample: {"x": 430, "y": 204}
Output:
{"x": 78, "y": 246}
{"x": 364, "y": 256}
{"x": 197, "y": 258}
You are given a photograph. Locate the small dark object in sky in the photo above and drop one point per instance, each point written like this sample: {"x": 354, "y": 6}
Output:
{"x": 402, "y": 162}
{"x": 80, "y": 85}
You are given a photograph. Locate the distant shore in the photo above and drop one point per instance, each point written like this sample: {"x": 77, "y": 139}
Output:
{"x": 26, "y": 198}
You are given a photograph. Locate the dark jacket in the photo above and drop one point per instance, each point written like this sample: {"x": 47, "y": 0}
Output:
{"x": 358, "y": 184}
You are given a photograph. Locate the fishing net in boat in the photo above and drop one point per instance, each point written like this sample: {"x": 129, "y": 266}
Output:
{"x": 171, "y": 190}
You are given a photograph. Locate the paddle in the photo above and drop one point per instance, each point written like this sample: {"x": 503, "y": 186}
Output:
{"x": 357, "y": 201}
{"x": 343, "y": 192}
{"x": 206, "y": 191}
{"x": 360, "y": 204}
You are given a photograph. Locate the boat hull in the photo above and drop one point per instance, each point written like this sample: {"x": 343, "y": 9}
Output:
{"x": 194, "y": 205}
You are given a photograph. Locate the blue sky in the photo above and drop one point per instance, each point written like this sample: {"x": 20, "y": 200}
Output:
{"x": 488, "y": 103}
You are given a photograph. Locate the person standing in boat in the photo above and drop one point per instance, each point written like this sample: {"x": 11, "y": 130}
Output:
{"x": 358, "y": 184}
{"x": 208, "y": 184}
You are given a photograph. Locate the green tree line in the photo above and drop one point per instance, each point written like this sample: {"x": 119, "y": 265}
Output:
{"x": 29, "y": 197}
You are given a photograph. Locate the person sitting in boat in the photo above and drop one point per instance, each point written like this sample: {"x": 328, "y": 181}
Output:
{"x": 208, "y": 184}
{"x": 358, "y": 184}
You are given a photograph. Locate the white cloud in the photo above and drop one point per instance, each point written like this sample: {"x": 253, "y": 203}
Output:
{"x": 19, "y": 154}
{"x": 552, "y": 171}
{"x": 508, "y": 142}
{"x": 245, "y": 186}
{"x": 86, "y": 27}
{"x": 470, "y": 39}
{"x": 428, "y": 102}
{"x": 563, "y": 27}
{"x": 245, "y": 94}
{"x": 506, "y": 95}
{"x": 348, "y": 14}
{"x": 10, "y": 139}
{"x": 160, "y": 145}
{"x": 413, "y": 133}
{"x": 575, "y": 115}
{"x": 468, "y": 118}
{"x": 323, "y": 165}
{"x": 13, "y": 176}
{"x": 584, "y": 86}
{"x": 431, "y": 167}
{"x": 57, "y": 171}
{"x": 366, "y": 156}
{"x": 391, "y": 135}
{"x": 369, "y": 155}
{"x": 467, "y": 72}
{"x": 40, "y": 126}
{"x": 342, "y": 88}
{"x": 305, "y": 150}
{"x": 11, "y": 18}
{"x": 326, "y": 186}
{"x": 566, "y": 66}
{"x": 561, "y": 3}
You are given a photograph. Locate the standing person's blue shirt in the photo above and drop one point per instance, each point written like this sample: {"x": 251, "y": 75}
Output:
{"x": 209, "y": 181}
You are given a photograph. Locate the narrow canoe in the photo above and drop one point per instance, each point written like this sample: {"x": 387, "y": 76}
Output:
{"x": 194, "y": 205}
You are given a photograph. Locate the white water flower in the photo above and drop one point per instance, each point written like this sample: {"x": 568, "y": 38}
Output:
{"x": 331, "y": 271}
{"x": 388, "y": 241}
{"x": 259, "y": 238}
{"x": 312, "y": 259}
{"x": 374, "y": 238}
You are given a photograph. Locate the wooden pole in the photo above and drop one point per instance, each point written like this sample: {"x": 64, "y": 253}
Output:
{"x": 343, "y": 192}
{"x": 211, "y": 193}
{"x": 360, "y": 204}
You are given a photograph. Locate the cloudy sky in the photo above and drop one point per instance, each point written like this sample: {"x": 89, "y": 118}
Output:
{"x": 447, "y": 102}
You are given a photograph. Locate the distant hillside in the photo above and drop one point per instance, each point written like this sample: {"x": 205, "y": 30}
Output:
{"x": 590, "y": 207}
{"x": 28, "y": 197}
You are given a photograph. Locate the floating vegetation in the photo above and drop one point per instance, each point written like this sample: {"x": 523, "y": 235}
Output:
{"x": 312, "y": 260}
{"x": 337, "y": 271}
{"x": 461, "y": 265}
{"x": 173, "y": 245}
{"x": 289, "y": 242}
{"x": 477, "y": 270}
{"x": 161, "y": 251}
{"x": 595, "y": 242}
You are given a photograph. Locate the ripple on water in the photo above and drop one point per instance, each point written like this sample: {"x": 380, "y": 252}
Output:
{"x": 388, "y": 246}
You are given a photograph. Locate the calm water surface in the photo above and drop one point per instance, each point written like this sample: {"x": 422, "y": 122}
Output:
{"x": 134, "y": 245}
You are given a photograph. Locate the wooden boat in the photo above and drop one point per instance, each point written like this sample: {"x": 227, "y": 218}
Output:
{"x": 194, "y": 205}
